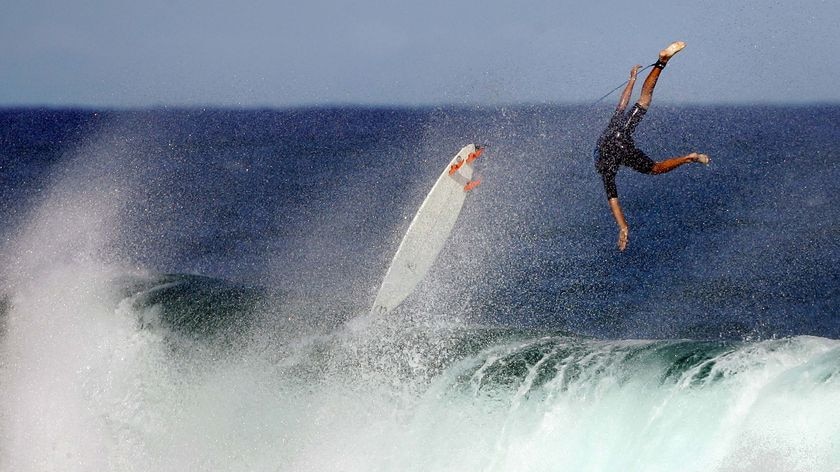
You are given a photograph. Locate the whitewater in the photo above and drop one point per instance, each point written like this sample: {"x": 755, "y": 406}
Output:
{"x": 171, "y": 300}
{"x": 87, "y": 387}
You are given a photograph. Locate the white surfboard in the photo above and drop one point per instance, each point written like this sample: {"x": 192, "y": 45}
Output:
{"x": 428, "y": 231}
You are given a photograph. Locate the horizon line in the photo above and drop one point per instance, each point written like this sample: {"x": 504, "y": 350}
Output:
{"x": 400, "y": 106}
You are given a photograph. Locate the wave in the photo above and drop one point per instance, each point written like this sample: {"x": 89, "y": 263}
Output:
{"x": 170, "y": 355}
{"x": 570, "y": 404}
{"x": 491, "y": 398}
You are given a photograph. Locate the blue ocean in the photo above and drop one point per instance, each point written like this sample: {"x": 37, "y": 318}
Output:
{"x": 189, "y": 289}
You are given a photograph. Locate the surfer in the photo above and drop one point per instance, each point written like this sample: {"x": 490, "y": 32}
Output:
{"x": 616, "y": 146}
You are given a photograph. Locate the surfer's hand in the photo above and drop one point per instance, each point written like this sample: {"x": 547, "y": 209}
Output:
{"x": 623, "y": 237}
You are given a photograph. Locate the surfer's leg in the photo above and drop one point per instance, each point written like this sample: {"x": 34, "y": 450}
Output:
{"x": 640, "y": 162}
{"x": 650, "y": 82}
{"x": 668, "y": 165}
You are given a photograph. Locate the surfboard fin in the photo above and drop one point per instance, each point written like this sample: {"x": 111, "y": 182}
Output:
{"x": 469, "y": 160}
{"x": 474, "y": 155}
{"x": 471, "y": 185}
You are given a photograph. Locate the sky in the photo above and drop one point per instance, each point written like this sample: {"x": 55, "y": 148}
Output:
{"x": 282, "y": 53}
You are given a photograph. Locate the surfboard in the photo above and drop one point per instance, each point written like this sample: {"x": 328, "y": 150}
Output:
{"x": 427, "y": 234}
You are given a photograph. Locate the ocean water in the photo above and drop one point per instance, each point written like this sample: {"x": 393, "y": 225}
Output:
{"x": 187, "y": 289}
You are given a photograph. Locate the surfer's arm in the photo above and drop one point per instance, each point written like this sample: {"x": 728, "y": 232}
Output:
{"x": 628, "y": 90}
{"x": 623, "y": 229}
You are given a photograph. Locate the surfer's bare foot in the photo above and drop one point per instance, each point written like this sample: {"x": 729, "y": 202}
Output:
{"x": 701, "y": 158}
{"x": 669, "y": 52}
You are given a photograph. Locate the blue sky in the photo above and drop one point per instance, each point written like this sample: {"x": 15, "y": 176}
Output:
{"x": 290, "y": 53}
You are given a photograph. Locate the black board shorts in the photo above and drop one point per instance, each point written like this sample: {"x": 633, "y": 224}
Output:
{"x": 616, "y": 148}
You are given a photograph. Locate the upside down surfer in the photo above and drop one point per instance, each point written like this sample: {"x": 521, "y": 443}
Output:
{"x": 616, "y": 146}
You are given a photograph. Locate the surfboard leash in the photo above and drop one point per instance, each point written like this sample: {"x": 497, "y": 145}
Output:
{"x": 620, "y": 85}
